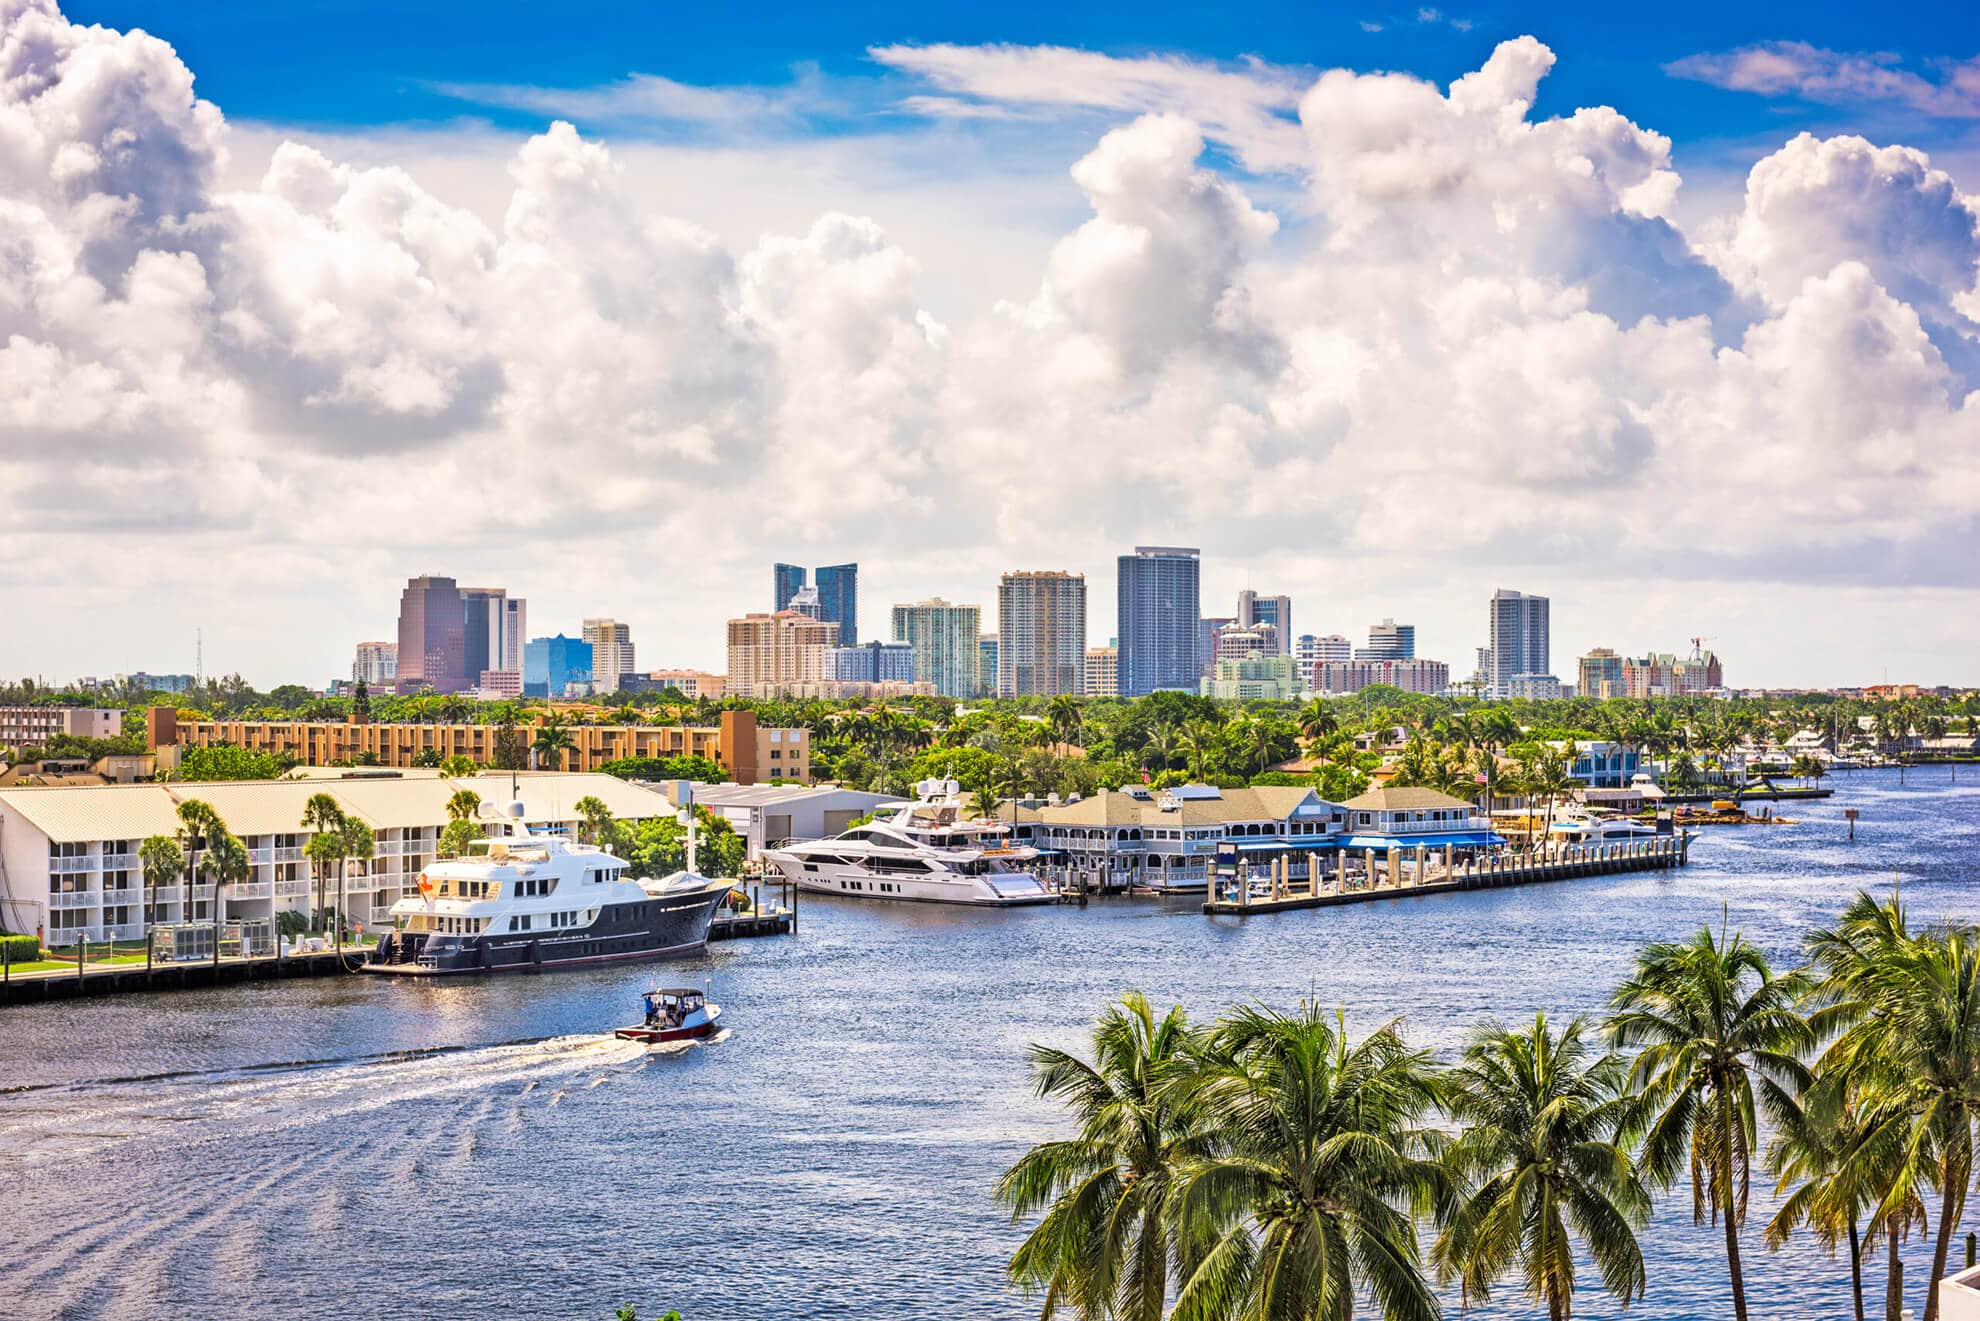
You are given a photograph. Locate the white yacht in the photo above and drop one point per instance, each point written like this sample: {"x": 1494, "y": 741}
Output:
{"x": 927, "y": 850}
{"x": 1591, "y": 829}
{"x": 525, "y": 902}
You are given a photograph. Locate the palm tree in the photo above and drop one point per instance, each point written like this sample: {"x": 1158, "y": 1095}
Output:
{"x": 227, "y": 858}
{"x": 199, "y": 824}
{"x": 1102, "y": 1249}
{"x": 324, "y": 816}
{"x": 458, "y": 767}
{"x": 361, "y": 844}
{"x": 1318, "y": 720}
{"x": 986, "y": 804}
{"x": 464, "y": 803}
{"x": 1717, "y": 1028}
{"x": 1493, "y": 729}
{"x": 1542, "y": 1122}
{"x": 1313, "y": 1164}
{"x": 161, "y": 862}
{"x": 594, "y": 820}
{"x": 1160, "y": 748}
{"x": 553, "y": 740}
{"x": 1200, "y": 741}
{"x": 1909, "y": 1009}
{"x": 1062, "y": 718}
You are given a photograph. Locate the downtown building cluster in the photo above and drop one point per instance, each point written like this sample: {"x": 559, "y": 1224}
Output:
{"x": 807, "y": 644}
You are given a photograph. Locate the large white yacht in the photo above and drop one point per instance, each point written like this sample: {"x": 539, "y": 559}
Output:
{"x": 525, "y": 902}
{"x": 927, "y": 850}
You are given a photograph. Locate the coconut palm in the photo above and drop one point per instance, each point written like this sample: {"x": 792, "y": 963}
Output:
{"x": 1200, "y": 741}
{"x": 361, "y": 845}
{"x": 228, "y": 862}
{"x": 465, "y": 803}
{"x": 199, "y": 823}
{"x": 1719, "y": 1036}
{"x": 1318, "y": 720}
{"x": 1493, "y": 729}
{"x": 323, "y": 816}
{"x": 594, "y": 820}
{"x": 161, "y": 861}
{"x": 1908, "y": 1006}
{"x": 1542, "y": 1116}
{"x": 1159, "y": 753}
{"x": 1314, "y": 1163}
{"x": 553, "y": 740}
{"x": 1062, "y": 718}
{"x": 1102, "y": 1250}
{"x": 459, "y": 766}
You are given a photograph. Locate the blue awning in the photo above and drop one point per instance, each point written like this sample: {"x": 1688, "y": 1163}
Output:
{"x": 1461, "y": 839}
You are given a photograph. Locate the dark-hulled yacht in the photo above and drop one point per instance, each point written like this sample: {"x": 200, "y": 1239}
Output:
{"x": 529, "y": 902}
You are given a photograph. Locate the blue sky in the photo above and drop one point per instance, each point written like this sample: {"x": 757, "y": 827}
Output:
{"x": 899, "y": 278}
{"x": 356, "y": 65}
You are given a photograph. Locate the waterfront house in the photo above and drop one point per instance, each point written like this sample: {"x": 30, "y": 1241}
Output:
{"x": 1392, "y": 817}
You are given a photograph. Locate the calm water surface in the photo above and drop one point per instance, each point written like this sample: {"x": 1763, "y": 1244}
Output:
{"x": 484, "y": 1148}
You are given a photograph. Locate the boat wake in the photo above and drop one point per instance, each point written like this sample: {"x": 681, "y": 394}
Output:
{"x": 66, "y": 1120}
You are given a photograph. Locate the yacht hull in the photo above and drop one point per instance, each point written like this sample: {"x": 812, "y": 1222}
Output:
{"x": 665, "y": 926}
{"x": 964, "y": 891}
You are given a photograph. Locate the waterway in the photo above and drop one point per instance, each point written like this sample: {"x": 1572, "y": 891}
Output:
{"x": 484, "y": 1148}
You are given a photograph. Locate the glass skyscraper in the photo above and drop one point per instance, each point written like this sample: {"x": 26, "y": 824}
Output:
{"x": 838, "y": 595}
{"x": 1157, "y": 610}
{"x": 1521, "y": 641}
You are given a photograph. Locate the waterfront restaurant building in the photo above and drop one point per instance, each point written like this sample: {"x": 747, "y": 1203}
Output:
{"x": 69, "y": 856}
{"x": 1167, "y": 838}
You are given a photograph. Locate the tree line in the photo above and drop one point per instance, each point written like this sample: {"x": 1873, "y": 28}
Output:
{"x": 1271, "y": 1164}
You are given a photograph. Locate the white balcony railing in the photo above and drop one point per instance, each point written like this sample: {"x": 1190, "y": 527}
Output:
{"x": 73, "y": 899}
{"x": 252, "y": 890}
{"x": 129, "y": 895}
{"x": 167, "y": 894}
{"x": 70, "y": 866}
{"x": 119, "y": 861}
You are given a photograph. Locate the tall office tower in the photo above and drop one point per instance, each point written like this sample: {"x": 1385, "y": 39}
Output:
{"x": 1273, "y": 610}
{"x": 515, "y": 634}
{"x": 552, "y": 664}
{"x": 835, "y": 595}
{"x": 986, "y": 664}
{"x": 790, "y": 581}
{"x": 1237, "y": 641}
{"x": 1520, "y": 643}
{"x": 376, "y": 664}
{"x": 482, "y": 617}
{"x": 432, "y": 637}
{"x": 1389, "y": 640}
{"x": 1041, "y": 633}
{"x": 945, "y": 639}
{"x": 1157, "y": 608}
{"x": 770, "y": 654}
{"x": 1103, "y": 672}
{"x": 838, "y": 592}
{"x": 611, "y": 653}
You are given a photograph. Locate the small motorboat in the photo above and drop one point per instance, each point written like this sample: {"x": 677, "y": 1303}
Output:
{"x": 673, "y": 1014}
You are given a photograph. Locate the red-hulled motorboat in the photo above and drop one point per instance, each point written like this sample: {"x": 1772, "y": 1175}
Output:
{"x": 673, "y": 1014}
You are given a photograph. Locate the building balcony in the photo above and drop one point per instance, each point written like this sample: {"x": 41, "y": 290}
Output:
{"x": 167, "y": 894}
{"x": 73, "y": 899}
{"x": 251, "y": 890}
{"x": 128, "y": 895}
{"x": 70, "y": 866}
{"x": 120, "y": 861}
{"x": 265, "y": 857}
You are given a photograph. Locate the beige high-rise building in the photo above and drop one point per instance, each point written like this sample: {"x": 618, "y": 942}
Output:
{"x": 770, "y": 654}
{"x": 1103, "y": 672}
{"x": 611, "y": 653}
{"x": 1041, "y": 633}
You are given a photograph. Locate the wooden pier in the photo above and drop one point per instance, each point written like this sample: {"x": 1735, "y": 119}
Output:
{"x": 774, "y": 921}
{"x": 1425, "y": 872}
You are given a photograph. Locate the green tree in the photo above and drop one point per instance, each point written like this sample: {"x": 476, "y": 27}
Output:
{"x": 1102, "y": 1248}
{"x": 458, "y": 837}
{"x": 360, "y": 845}
{"x": 324, "y": 817}
{"x": 510, "y": 754}
{"x": 1317, "y": 1161}
{"x": 595, "y": 825}
{"x": 458, "y": 767}
{"x": 162, "y": 862}
{"x": 463, "y": 805}
{"x": 1541, "y": 1156}
{"x": 553, "y": 740}
{"x": 1719, "y": 1037}
{"x": 205, "y": 765}
{"x": 228, "y": 863}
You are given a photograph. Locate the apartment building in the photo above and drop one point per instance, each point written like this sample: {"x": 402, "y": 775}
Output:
{"x": 611, "y": 653}
{"x": 771, "y": 653}
{"x": 738, "y": 744}
{"x": 1103, "y": 672}
{"x": 1412, "y": 676}
{"x": 1041, "y": 633}
{"x": 69, "y": 856}
{"x": 21, "y": 726}
{"x": 945, "y": 639}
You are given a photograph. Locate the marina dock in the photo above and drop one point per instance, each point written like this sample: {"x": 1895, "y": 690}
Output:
{"x": 1400, "y": 874}
{"x": 111, "y": 978}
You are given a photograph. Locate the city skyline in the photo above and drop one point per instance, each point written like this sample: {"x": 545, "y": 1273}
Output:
{"x": 1674, "y": 323}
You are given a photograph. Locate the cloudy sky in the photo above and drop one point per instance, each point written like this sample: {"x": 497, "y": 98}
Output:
{"x": 1673, "y": 315}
